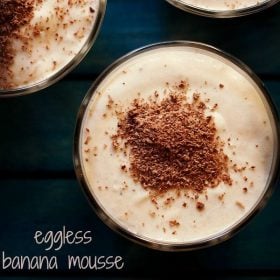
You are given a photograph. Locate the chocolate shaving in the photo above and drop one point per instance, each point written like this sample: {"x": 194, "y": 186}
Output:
{"x": 200, "y": 206}
{"x": 172, "y": 144}
{"x": 13, "y": 15}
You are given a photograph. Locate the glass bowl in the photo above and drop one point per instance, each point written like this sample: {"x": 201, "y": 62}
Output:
{"x": 87, "y": 41}
{"x": 97, "y": 169}
{"x": 222, "y": 12}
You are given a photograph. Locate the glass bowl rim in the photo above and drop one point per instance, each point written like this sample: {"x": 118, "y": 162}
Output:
{"x": 200, "y": 243}
{"x": 222, "y": 13}
{"x": 67, "y": 68}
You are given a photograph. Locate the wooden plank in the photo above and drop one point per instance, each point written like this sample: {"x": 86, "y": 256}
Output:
{"x": 31, "y": 205}
{"x": 217, "y": 276}
{"x": 37, "y": 135}
{"x": 132, "y": 24}
{"x": 37, "y": 130}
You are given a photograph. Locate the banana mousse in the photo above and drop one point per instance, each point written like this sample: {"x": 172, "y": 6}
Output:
{"x": 176, "y": 144}
{"x": 223, "y": 5}
{"x": 38, "y": 38}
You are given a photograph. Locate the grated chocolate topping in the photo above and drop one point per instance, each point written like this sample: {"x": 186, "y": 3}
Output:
{"x": 13, "y": 15}
{"x": 172, "y": 143}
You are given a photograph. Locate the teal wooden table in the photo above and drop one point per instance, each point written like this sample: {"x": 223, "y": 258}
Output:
{"x": 38, "y": 188}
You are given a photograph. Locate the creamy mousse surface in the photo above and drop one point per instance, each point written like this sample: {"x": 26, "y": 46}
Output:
{"x": 40, "y": 37}
{"x": 176, "y": 145}
{"x": 222, "y": 5}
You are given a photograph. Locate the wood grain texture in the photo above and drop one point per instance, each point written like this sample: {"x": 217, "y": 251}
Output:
{"x": 132, "y": 24}
{"x": 38, "y": 190}
{"x": 38, "y": 129}
{"x": 31, "y": 205}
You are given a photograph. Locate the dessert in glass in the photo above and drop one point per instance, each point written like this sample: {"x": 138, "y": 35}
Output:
{"x": 223, "y": 8}
{"x": 41, "y": 41}
{"x": 177, "y": 145}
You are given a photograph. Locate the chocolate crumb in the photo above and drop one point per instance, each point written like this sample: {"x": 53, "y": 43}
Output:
{"x": 169, "y": 200}
{"x": 221, "y": 86}
{"x": 174, "y": 223}
{"x": 221, "y": 196}
{"x": 123, "y": 168}
{"x": 245, "y": 190}
{"x": 153, "y": 199}
{"x": 110, "y": 102}
{"x": 14, "y": 15}
{"x": 171, "y": 143}
{"x": 200, "y": 206}
{"x": 240, "y": 205}
{"x": 152, "y": 214}
{"x": 214, "y": 107}
{"x": 88, "y": 139}
{"x": 182, "y": 85}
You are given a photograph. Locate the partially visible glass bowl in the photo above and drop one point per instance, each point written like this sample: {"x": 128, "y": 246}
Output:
{"x": 65, "y": 68}
{"x": 234, "y": 11}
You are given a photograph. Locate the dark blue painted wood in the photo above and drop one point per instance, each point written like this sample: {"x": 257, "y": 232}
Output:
{"x": 38, "y": 189}
{"x": 31, "y": 205}
{"x": 132, "y": 24}
{"x": 37, "y": 130}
